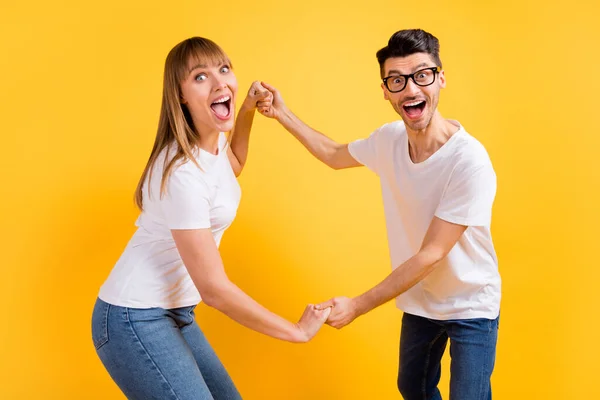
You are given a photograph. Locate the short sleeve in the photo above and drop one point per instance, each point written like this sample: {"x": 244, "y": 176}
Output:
{"x": 365, "y": 151}
{"x": 186, "y": 203}
{"x": 469, "y": 196}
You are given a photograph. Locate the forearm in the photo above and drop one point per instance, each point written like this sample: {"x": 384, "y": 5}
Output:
{"x": 233, "y": 302}
{"x": 319, "y": 145}
{"x": 241, "y": 133}
{"x": 399, "y": 281}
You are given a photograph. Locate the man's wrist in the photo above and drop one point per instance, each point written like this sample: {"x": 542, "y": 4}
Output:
{"x": 360, "y": 305}
{"x": 284, "y": 115}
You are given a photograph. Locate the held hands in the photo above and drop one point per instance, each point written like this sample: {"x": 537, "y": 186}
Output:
{"x": 343, "y": 311}
{"x": 337, "y": 312}
{"x": 257, "y": 97}
{"x": 273, "y": 108}
{"x": 311, "y": 321}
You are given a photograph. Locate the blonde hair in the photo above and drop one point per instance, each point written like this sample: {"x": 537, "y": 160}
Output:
{"x": 175, "y": 126}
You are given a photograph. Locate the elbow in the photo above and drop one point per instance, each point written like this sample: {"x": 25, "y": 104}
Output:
{"x": 334, "y": 166}
{"x": 214, "y": 295}
{"x": 332, "y": 158}
{"x": 432, "y": 256}
{"x": 211, "y": 300}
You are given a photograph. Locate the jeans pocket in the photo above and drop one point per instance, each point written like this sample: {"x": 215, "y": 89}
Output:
{"x": 100, "y": 323}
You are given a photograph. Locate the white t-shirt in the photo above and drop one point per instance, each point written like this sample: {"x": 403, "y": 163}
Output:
{"x": 150, "y": 272}
{"x": 457, "y": 184}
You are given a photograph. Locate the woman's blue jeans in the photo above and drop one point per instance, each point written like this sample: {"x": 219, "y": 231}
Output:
{"x": 159, "y": 354}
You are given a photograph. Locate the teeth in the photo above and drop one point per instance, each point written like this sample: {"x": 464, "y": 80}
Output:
{"x": 223, "y": 100}
{"x": 414, "y": 103}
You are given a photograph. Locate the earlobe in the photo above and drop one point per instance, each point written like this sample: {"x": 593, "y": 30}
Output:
{"x": 442, "y": 79}
{"x": 385, "y": 93}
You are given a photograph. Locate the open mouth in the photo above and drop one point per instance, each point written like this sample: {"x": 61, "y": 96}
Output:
{"x": 414, "y": 109}
{"x": 222, "y": 107}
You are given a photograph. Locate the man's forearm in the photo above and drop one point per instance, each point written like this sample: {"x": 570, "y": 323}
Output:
{"x": 241, "y": 134}
{"x": 399, "y": 281}
{"x": 319, "y": 145}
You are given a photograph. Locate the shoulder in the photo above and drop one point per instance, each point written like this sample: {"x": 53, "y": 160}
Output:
{"x": 394, "y": 128}
{"x": 468, "y": 152}
{"x": 181, "y": 169}
{"x": 389, "y": 132}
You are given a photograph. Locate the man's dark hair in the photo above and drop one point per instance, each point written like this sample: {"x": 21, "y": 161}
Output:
{"x": 410, "y": 41}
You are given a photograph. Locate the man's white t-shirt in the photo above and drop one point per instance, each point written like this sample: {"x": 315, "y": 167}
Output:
{"x": 457, "y": 184}
{"x": 150, "y": 272}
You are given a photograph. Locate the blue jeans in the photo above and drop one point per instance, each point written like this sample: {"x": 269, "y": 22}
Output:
{"x": 472, "y": 352}
{"x": 159, "y": 354}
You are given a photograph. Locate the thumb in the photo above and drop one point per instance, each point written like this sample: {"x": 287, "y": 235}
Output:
{"x": 326, "y": 304}
{"x": 324, "y": 314}
{"x": 268, "y": 87}
{"x": 262, "y": 94}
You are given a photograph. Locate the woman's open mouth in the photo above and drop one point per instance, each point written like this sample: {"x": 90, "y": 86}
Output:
{"x": 222, "y": 107}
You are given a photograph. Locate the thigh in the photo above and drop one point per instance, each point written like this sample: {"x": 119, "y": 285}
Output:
{"x": 146, "y": 355}
{"x": 215, "y": 375}
{"x": 422, "y": 345}
{"x": 473, "y": 354}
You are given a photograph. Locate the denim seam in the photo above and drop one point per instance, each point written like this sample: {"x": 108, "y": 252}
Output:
{"x": 104, "y": 328}
{"x": 149, "y": 356}
{"x": 483, "y": 371}
{"x": 424, "y": 384}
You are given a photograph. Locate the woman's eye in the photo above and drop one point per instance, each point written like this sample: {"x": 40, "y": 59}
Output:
{"x": 224, "y": 69}
{"x": 201, "y": 77}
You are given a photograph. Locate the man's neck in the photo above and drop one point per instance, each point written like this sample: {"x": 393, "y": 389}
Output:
{"x": 423, "y": 143}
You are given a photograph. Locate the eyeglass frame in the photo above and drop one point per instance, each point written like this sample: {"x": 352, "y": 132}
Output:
{"x": 436, "y": 70}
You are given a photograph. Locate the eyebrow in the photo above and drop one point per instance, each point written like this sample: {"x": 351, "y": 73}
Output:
{"x": 197, "y": 66}
{"x": 418, "y": 67}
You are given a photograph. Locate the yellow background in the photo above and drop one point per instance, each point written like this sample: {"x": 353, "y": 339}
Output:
{"x": 80, "y": 86}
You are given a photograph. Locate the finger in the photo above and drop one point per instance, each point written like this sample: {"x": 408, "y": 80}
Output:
{"x": 261, "y": 94}
{"x": 268, "y": 87}
{"x": 263, "y": 103}
{"x": 324, "y": 314}
{"x": 328, "y": 303}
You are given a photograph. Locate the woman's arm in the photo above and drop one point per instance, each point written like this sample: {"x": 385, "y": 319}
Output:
{"x": 203, "y": 262}
{"x": 240, "y": 137}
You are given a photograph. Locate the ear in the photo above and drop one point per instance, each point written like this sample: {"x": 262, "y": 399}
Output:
{"x": 442, "y": 79}
{"x": 385, "y": 92}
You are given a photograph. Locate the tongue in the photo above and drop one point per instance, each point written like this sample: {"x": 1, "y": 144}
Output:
{"x": 220, "y": 109}
{"x": 414, "y": 111}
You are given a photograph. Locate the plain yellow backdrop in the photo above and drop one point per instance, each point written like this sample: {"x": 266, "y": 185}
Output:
{"x": 80, "y": 86}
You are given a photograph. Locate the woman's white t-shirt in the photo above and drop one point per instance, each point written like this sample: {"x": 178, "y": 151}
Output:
{"x": 150, "y": 272}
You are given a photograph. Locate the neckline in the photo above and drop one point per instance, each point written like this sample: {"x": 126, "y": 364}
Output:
{"x": 220, "y": 148}
{"x": 438, "y": 153}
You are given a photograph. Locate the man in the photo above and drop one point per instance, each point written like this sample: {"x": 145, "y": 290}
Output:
{"x": 438, "y": 187}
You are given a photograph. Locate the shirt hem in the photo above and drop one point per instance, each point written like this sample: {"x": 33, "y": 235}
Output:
{"x": 146, "y": 305}
{"x": 446, "y": 317}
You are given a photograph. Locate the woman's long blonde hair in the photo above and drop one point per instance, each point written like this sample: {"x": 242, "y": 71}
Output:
{"x": 175, "y": 126}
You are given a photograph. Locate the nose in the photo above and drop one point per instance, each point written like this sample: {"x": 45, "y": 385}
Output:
{"x": 220, "y": 82}
{"x": 411, "y": 88}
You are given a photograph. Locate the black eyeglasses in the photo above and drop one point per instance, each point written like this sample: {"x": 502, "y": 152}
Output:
{"x": 423, "y": 77}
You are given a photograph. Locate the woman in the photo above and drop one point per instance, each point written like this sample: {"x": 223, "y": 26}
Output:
{"x": 143, "y": 323}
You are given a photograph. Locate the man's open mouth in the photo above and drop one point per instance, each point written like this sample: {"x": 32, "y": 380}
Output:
{"x": 222, "y": 107}
{"x": 414, "y": 109}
